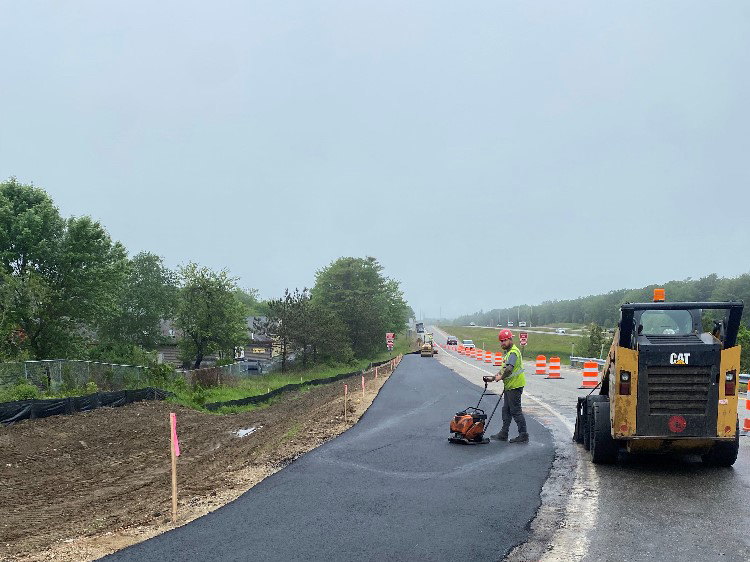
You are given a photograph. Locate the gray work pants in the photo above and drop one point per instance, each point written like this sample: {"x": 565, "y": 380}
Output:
{"x": 512, "y": 410}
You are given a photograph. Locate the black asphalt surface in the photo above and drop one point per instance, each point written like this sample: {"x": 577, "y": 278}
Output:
{"x": 391, "y": 488}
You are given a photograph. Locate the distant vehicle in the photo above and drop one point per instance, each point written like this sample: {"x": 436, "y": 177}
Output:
{"x": 472, "y": 324}
{"x": 499, "y": 326}
{"x": 248, "y": 365}
{"x": 420, "y": 328}
{"x": 510, "y": 324}
{"x": 560, "y": 331}
{"x": 452, "y": 340}
{"x": 468, "y": 343}
{"x": 522, "y": 324}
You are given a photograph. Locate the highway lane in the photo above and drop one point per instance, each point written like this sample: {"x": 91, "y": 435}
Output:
{"x": 390, "y": 488}
{"x": 531, "y": 330}
{"x": 669, "y": 508}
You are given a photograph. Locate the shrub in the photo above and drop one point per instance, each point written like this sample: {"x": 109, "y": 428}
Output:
{"x": 24, "y": 391}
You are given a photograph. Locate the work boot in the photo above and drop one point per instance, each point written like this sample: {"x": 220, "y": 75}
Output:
{"x": 521, "y": 438}
{"x": 500, "y": 436}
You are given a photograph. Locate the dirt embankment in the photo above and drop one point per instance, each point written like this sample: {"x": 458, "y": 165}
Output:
{"x": 79, "y": 487}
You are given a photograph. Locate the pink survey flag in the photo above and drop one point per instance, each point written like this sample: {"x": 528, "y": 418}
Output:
{"x": 176, "y": 443}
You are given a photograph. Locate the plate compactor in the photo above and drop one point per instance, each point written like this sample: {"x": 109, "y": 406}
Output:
{"x": 468, "y": 426}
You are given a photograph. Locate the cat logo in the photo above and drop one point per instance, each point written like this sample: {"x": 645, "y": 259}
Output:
{"x": 679, "y": 358}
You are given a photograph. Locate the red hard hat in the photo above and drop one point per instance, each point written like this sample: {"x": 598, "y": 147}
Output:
{"x": 505, "y": 335}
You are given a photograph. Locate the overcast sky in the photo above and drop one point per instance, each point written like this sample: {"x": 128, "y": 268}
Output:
{"x": 486, "y": 153}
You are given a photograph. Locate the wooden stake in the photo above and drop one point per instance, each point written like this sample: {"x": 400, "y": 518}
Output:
{"x": 174, "y": 472}
{"x": 346, "y": 388}
{"x": 363, "y": 386}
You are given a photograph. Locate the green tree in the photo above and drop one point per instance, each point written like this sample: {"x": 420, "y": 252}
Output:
{"x": 209, "y": 315}
{"x": 148, "y": 295}
{"x": 368, "y": 304}
{"x": 328, "y": 335}
{"x": 63, "y": 275}
{"x": 253, "y": 305}
{"x": 593, "y": 345}
{"x": 278, "y": 325}
{"x": 743, "y": 339}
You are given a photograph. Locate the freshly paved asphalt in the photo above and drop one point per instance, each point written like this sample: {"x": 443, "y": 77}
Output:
{"x": 391, "y": 488}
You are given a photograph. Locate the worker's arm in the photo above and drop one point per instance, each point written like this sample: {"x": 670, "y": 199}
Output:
{"x": 510, "y": 363}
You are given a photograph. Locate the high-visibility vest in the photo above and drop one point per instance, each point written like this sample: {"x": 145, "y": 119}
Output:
{"x": 517, "y": 377}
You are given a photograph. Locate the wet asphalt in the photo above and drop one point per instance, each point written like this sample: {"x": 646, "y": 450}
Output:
{"x": 390, "y": 488}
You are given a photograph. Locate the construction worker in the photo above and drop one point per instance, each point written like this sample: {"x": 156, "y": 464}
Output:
{"x": 514, "y": 380}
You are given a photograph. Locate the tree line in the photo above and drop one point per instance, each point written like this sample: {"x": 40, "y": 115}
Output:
{"x": 604, "y": 309}
{"x": 67, "y": 290}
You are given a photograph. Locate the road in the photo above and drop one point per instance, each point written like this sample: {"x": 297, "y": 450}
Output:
{"x": 530, "y": 330}
{"x": 666, "y": 508}
{"x": 390, "y": 488}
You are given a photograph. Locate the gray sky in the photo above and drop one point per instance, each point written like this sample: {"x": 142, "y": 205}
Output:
{"x": 486, "y": 153}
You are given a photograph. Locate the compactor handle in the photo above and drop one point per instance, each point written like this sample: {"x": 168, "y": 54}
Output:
{"x": 488, "y": 378}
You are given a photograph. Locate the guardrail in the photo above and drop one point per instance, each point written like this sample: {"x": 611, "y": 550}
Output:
{"x": 577, "y": 362}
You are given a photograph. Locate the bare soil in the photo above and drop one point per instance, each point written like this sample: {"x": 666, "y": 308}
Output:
{"x": 75, "y": 488}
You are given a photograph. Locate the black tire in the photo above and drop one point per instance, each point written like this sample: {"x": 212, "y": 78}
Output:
{"x": 604, "y": 449}
{"x": 588, "y": 418}
{"x": 722, "y": 453}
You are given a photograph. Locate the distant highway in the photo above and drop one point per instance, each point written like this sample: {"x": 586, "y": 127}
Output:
{"x": 512, "y": 328}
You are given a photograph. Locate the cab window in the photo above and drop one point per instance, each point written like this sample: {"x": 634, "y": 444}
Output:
{"x": 666, "y": 322}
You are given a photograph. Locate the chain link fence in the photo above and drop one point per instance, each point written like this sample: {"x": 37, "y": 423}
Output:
{"x": 55, "y": 376}
{"x": 228, "y": 374}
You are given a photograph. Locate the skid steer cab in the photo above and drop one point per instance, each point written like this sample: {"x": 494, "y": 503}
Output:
{"x": 667, "y": 385}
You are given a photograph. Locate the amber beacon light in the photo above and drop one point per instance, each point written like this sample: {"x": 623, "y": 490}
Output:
{"x": 659, "y": 295}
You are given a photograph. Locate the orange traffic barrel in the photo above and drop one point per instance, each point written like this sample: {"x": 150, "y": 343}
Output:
{"x": 554, "y": 368}
{"x": 590, "y": 375}
{"x": 461, "y": 349}
{"x": 498, "y": 359}
{"x": 746, "y": 425}
{"x": 541, "y": 365}
{"x": 480, "y": 355}
{"x": 488, "y": 357}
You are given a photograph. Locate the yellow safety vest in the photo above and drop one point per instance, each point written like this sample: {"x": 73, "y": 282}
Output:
{"x": 517, "y": 378}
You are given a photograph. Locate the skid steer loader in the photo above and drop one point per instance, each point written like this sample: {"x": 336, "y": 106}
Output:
{"x": 667, "y": 385}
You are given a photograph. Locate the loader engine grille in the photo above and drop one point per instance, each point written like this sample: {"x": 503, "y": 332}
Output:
{"x": 674, "y": 339}
{"x": 675, "y": 390}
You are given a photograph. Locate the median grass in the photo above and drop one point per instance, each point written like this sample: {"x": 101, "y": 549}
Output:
{"x": 550, "y": 345}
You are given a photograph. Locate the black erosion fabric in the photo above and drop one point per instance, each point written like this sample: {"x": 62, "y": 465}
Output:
{"x": 390, "y": 488}
{"x": 286, "y": 388}
{"x": 11, "y": 412}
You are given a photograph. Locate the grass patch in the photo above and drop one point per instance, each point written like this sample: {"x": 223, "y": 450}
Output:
{"x": 294, "y": 430}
